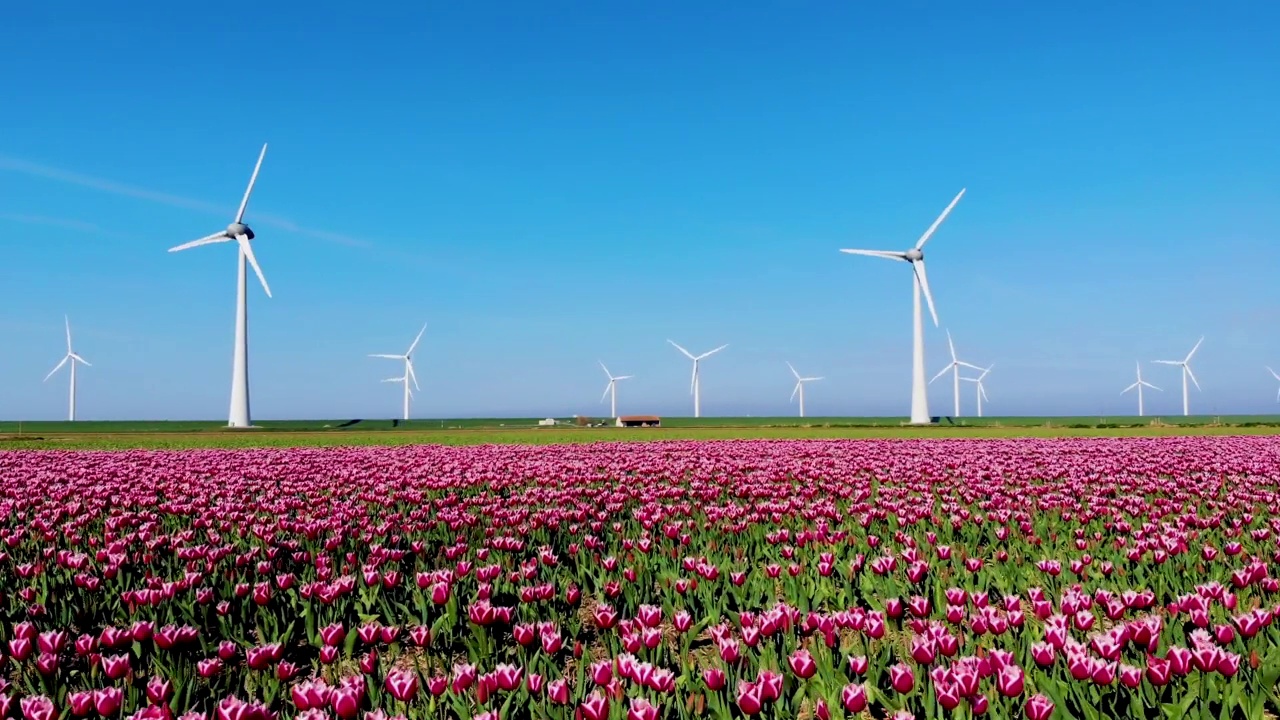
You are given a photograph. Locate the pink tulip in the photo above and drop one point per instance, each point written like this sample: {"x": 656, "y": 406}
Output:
{"x": 38, "y": 707}
{"x": 749, "y": 698}
{"x": 802, "y": 664}
{"x": 595, "y": 707}
{"x": 108, "y": 700}
{"x": 854, "y": 698}
{"x": 558, "y": 692}
{"x": 901, "y": 678}
{"x": 403, "y": 686}
{"x": 1038, "y": 707}
{"x": 81, "y": 703}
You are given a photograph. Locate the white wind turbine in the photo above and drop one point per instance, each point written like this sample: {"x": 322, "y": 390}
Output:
{"x": 954, "y": 366}
{"x": 799, "y": 388}
{"x": 240, "y": 232}
{"x": 920, "y": 283}
{"x": 694, "y": 385}
{"x": 1277, "y": 377}
{"x": 981, "y": 392}
{"x": 1185, "y": 364}
{"x": 612, "y": 389}
{"x": 409, "y": 375}
{"x": 73, "y": 358}
{"x": 1138, "y": 386}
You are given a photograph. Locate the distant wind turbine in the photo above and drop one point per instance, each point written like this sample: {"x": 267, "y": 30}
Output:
{"x": 799, "y": 389}
{"x": 409, "y": 375}
{"x": 1277, "y": 377}
{"x": 695, "y": 387}
{"x": 72, "y": 358}
{"x": 612, "y": 389}
{"x": 1185, "y": 364}
{"x": 954, "y": 366}
{"x": 981, "y": 392}
{"x": 920, "y": 284}
{"x": 240, "y": 232}
{"x": 1138, "y": 386}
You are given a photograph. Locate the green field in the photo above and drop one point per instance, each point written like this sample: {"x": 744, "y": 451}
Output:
{"x": 206, "y": 434}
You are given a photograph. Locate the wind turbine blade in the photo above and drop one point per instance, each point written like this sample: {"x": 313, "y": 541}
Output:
{"x": 80, "y": 359}
{"x": 983, "y": 390}
{"x": 217, "y": 237}
{"x": 1273, "y": 373}
{"x": 416, "y": 340}
{"x": 793, "y": 370}
{"x": 399, "y": 379}
{"x": 607, "y": 388}
{"x": 885, "y": 254}
{"x": 57, "y": 367}
{"x": 712, "y": 352}
{"x": 67, "y": 320}
{"x": 971, "y": 366}
{"x": 927, "y": 233}
{"x": 984, "y": 372}
{"x": 794, "y": 390}
{"x": 606, "y": 370}
{"x": 820, "y": 377}
{"x": 686, "y": 352}
{"x": 1187, "y": 369}
{"x": 1147, "y": 384}
{"x": 952, "y": 346}
{"x": 253, "y": 261}
{"x": 1129, "y": 388}
{"x": 1167, "y": 362}
{"x": 918, "y": 265}
{"x": 249, "y": 190}
{"x": 409, "y": 373}
{"x": 389, "y": 357}
{"x": 623, "y": 377}
{"x": 1194, "y": 349}
{"x": 943, "y": 372}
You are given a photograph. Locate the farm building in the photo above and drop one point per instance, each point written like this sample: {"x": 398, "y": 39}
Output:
{"x": 639, "y": 421}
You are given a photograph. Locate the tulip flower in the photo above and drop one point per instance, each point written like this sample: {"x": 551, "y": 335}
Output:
{"x": 749, "y": 699}
{"x": 595, "y": 707}
{"x": 802, "y": 664}
{"x": 403, "y": 686}
{"x": 901, "y": 678}
{"x": 1038, "y": 707}
{"x": 854, "y": 698}
{"x": 38, "y": 707}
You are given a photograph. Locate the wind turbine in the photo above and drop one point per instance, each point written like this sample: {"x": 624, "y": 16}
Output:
{"x": 407, "y": 357}
{"x": 920, "y": 283}
{"x": 799, "y": 389}
{"x": 1185, "y": 364}
{"x": 694, "y": 386}
{"x": 240, "y": 232}
{"x": 981, "y": 392}
{"x": 1139, "y": 385}
{"x": 612, "y": 389}
{"x": 954, "y": 366}
{"x": 1277, "y": 377}
{"x": 73, "y": 358}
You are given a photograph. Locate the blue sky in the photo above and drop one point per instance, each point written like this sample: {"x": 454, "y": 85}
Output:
{"x": 548, "y": 184}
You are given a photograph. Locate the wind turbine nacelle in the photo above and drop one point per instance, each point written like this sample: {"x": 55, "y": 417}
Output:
{"x": 913, "y": 255}
{"x": 237, "y": 229}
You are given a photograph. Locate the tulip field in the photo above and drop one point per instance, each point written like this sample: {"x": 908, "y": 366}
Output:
{"x": 1029, "y": 578}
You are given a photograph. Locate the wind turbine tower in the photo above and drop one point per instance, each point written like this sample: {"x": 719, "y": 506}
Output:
{"x": 240, "y": 232}
{"x": 73, "y": 358}
{"x": 981, "y": 392}
{"x": 920, "y": 285}
{"x": 694, "y": 385}
{"x": 612, "y": 389}
{"x": 1185, "y": 364}
{"x": 1138, "y": 386}
{"x": 409, "y": 375}
{"x": 799, "y": 388}
{"x": 954, "y": 366}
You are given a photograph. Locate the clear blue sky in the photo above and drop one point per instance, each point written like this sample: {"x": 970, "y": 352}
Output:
{"x": 548, "y": 184}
